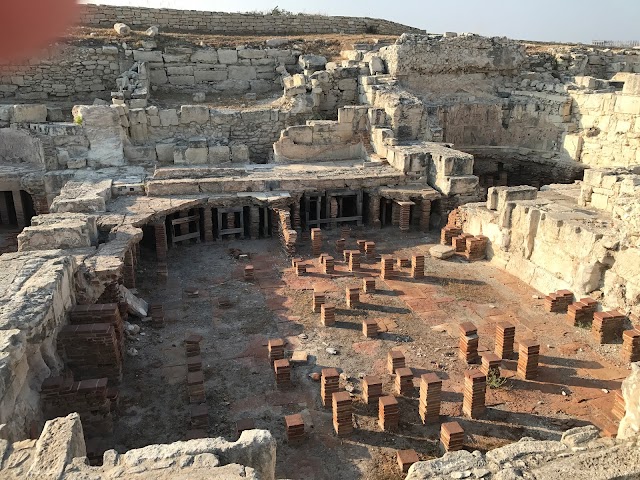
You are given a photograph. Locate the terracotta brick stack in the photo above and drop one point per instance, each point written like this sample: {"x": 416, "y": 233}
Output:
{"x": 468, "y": 342}
{"x": 340, "y": 244}
{"x": 195, "y": 387}
{"x": 110, "y": 313}
{"x": 342, "y": 413}
{"x": 405, "y": 216}
{"x": 199, "y": 417}
{"x": 294, "y": 428}
{"x": 318, "y": 300}
{"x": 328, "y": 265}
{"x": 631, "y": 345}
{"x": 329, "y": 384}
{"x": 352, "y": 296}
{"x": 370, "y": 328}
{"x": 451, "y": 436}
{"x": 619, "y": 406}
{"x": 192, "y": 345}
{"x": 490, "y": 364}
{"x": 430, "y": 398}
{"x": 475, "y": 389}
{"x": 476, "y": 248}
{"x": 371, "y": 389}
{"x": 403, "y": 262}
{"x": 369, "y": 285}
{"x": 276, "y": 349}
{"x": 528, "y": 352}
{"x": 505, "y": 336}
{"x": 156, "y": 311}
{"x": 388, "y": 413}
{"x": 370, "y": 249}
{"x": 249, "y": 273}
{"x": 386, "y": 268}
{"x": 558, "y": 302}
{"x": 282, "y": 369}
{"x": 404, "y": 381}
{"x": 91, "y": 351}
{"x": 295, "y": 261}
{"x": 301, "y": 268}
{"x": 607, "y": 326}
{"x": 447, "y": 234}
{"x": 244, "y": 424}
{"x": 316, "y": 241}
{"x": 328, "y": 314}
{"x": 345, "y": 231}
{"x": 361, "y": 245}
{"x": 417, "y": 266}
{"x": 354, "y": 260}
{"x": 395, "y": 360}
{"x": 459, "y": 243}
{"x": 406, "y": 458}
{"x": 581, "y": 312}
{"x": 194, "y": 364}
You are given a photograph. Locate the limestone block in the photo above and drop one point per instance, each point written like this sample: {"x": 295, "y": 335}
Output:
{"x": 28, "y": 113}
{"x": 147, "y": 56}
{"x": 242, "y": 73}
{"x": 239, "y": 153}
{"x": 137, "y": 116}
{"x": 206, "y": 55}
{"x": 194, "y": 114}
{"x": 139, "y": 133}
{"x": 627, "y": 104}
{"x": 511, "y": 194}
{"x": 122, "y": 28}
{"x": 376, "y": 65}
{"x": 5, "y": 112}
{"x": 599, "y": 201}
{"x": 300, "y": 134}
{"x": 219, "y": 154}
{"x": 168, "y": 117}
{"x": 154, "y": 121}
{"x": 196, "y": 155}
{"x": 140, "y": 154}
{"x": 181, "y": 79}
{"x": 631, "y": 84}
{"x": 460, "y": 185}
{"x": 158, "y": 76}
{"x": 176, "y": 57}
{"x": 251, "y": 53}
{"x": 164, "y": 151}
{"x": 233, "y": 86}
{"x": 227, "y": 56}
{"x": 312, "y": 62}
{"x": 210, "y": 75}
{"x": 261, "y": 86}
{"x": 184, "y": 70}
{"x": 101, "y": 125}
{"x": 572, "y": 145}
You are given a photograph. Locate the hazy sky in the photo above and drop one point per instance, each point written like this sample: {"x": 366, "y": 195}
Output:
{"x": 547, "y": 20}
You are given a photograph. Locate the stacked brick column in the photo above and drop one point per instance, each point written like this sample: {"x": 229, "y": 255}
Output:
{"x": 156, "y": 311}
{"x": 328, "y": 314}
{"x": 468, "y": 342}
{"x": 451, "y": 436}
{"x": 490, "y": 364}
{"x": 40, "y": 204}
{"x": 370, "y": 328}
{"x": 342, "y": 413}
{"x": 295, "y": 217}
{"x": 395, "y": 360}
{"x": 430, "y": 398}
{"x": 529, "y": 352}
{"x": 459, "y": 243}
{"x": 352, "y": 296}
{"x": 447, "y": 234}
{"x": 160, "y": 232}
{"x": 195, "y": 387}
{"x": 254, "y": 222}
{"x": 301, "y": 268}
{"x": 374, "y": 211}
{"x": 475, "y": 387}
{"x": 403, "y": 262}
{"x": 505, "y": 335}
{"x": 558, "y": 302}
{"x": 249, "y": 273}
{"x": 369, "y": 285}
{"x": 316, "y": 241}
{"x": 354, "y": 260}
{"x": 386, "y": 268}
{"x": 294, "y": 428}
{"x": 388, "y": 413}
{"x": 345, "y": 231}
{"x": 328, "y": 265}
{"x": 405, "y": 215}
{"x": 361, "y": 245}
{"x": 406, "y": 458}
{"x": 607, "y": 326}
{"x": 100, "y": 313}
{"x": 371, "y": 389}
{"x": 404, "y": 381}
{"x": 370, "y": 249}
{"x": 276, "y": 349}
{"x": 199, "y": 418}
{"x": 581, "y": 312}
{"x": 340, "y": 244}
{"x": 417, "y": 266}
{"x": 318, "y": 300}
{"x": 207, "y": 223}
{"x": 631, "y": 345}
{"x": 619, "y": 408}
{"x": 425, "y": 214}
{"x": 476, "y": 248}
{"x": 282, "y": 369}
{"x": 129, "y": 272}
{"x": 333, "y": 211}
{"x": 329, "y": 384}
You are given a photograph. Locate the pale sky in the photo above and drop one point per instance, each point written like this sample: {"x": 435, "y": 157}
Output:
{"x": 545, "y": 20}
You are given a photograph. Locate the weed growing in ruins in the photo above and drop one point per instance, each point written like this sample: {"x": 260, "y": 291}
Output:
{"x": 78, "y": 120}
{"x": 494, "y": 380}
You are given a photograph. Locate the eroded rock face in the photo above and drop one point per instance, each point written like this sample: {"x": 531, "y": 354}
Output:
{"x": 630, "y": 424}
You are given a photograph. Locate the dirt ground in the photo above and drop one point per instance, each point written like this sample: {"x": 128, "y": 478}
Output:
{"x": 422, "y": 318}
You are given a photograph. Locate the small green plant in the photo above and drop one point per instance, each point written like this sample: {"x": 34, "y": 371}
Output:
{"x": 494, "y": 380}
{"x": 78, "y": 120}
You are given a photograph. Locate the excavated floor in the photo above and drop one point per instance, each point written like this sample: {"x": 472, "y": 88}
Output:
{"x": 421, "y": 317}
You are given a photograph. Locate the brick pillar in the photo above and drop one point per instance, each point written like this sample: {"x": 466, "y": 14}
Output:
{"x": 129, "y": 270}
{"x": 40, "y": 204}
{"x": 4, "y": 210}
{"x": 405, "y": 216}
{"x": 374, "y": 211}
{"x": 160, "y": 232}
{"x": 231, "y": 220}
{"x": 395, "y": 214}
{"x": 295, "y": 216}
{"x": 425, "y": 214}
{"x": 19, "y": 207}
{"x": 475, "y": 389}
{"x": 333, "y": 211}
{"x": 254, "y": 222}
{"x": 430, "y": 398}
{"x": 208, "y": 224}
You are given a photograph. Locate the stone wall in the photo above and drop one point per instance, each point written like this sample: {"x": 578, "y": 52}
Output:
{"x": 236, "y": 23}
{"x": 63, "y": 71}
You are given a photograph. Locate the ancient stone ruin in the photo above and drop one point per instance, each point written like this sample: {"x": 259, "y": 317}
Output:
{"x": 301, "y": 246}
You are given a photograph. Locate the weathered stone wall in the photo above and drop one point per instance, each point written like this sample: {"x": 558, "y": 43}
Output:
{"x": 63, "y": 71}
{"x": 236, "y": 23}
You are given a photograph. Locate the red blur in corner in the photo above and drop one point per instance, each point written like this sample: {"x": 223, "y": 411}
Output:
{"x": 28, "y": 26}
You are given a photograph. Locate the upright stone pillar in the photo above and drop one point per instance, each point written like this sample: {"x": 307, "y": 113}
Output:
{"x": 208, "y": 224}
{"x": 129, "y": 269}
{"x": 19, "y": 208}
{"x": 40, "y": 204}
{"x": 254, "y": 222}
{"x": 425, "y": 214}
{"x": 4, "y": 210}
{"x": 374, "y": 211}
